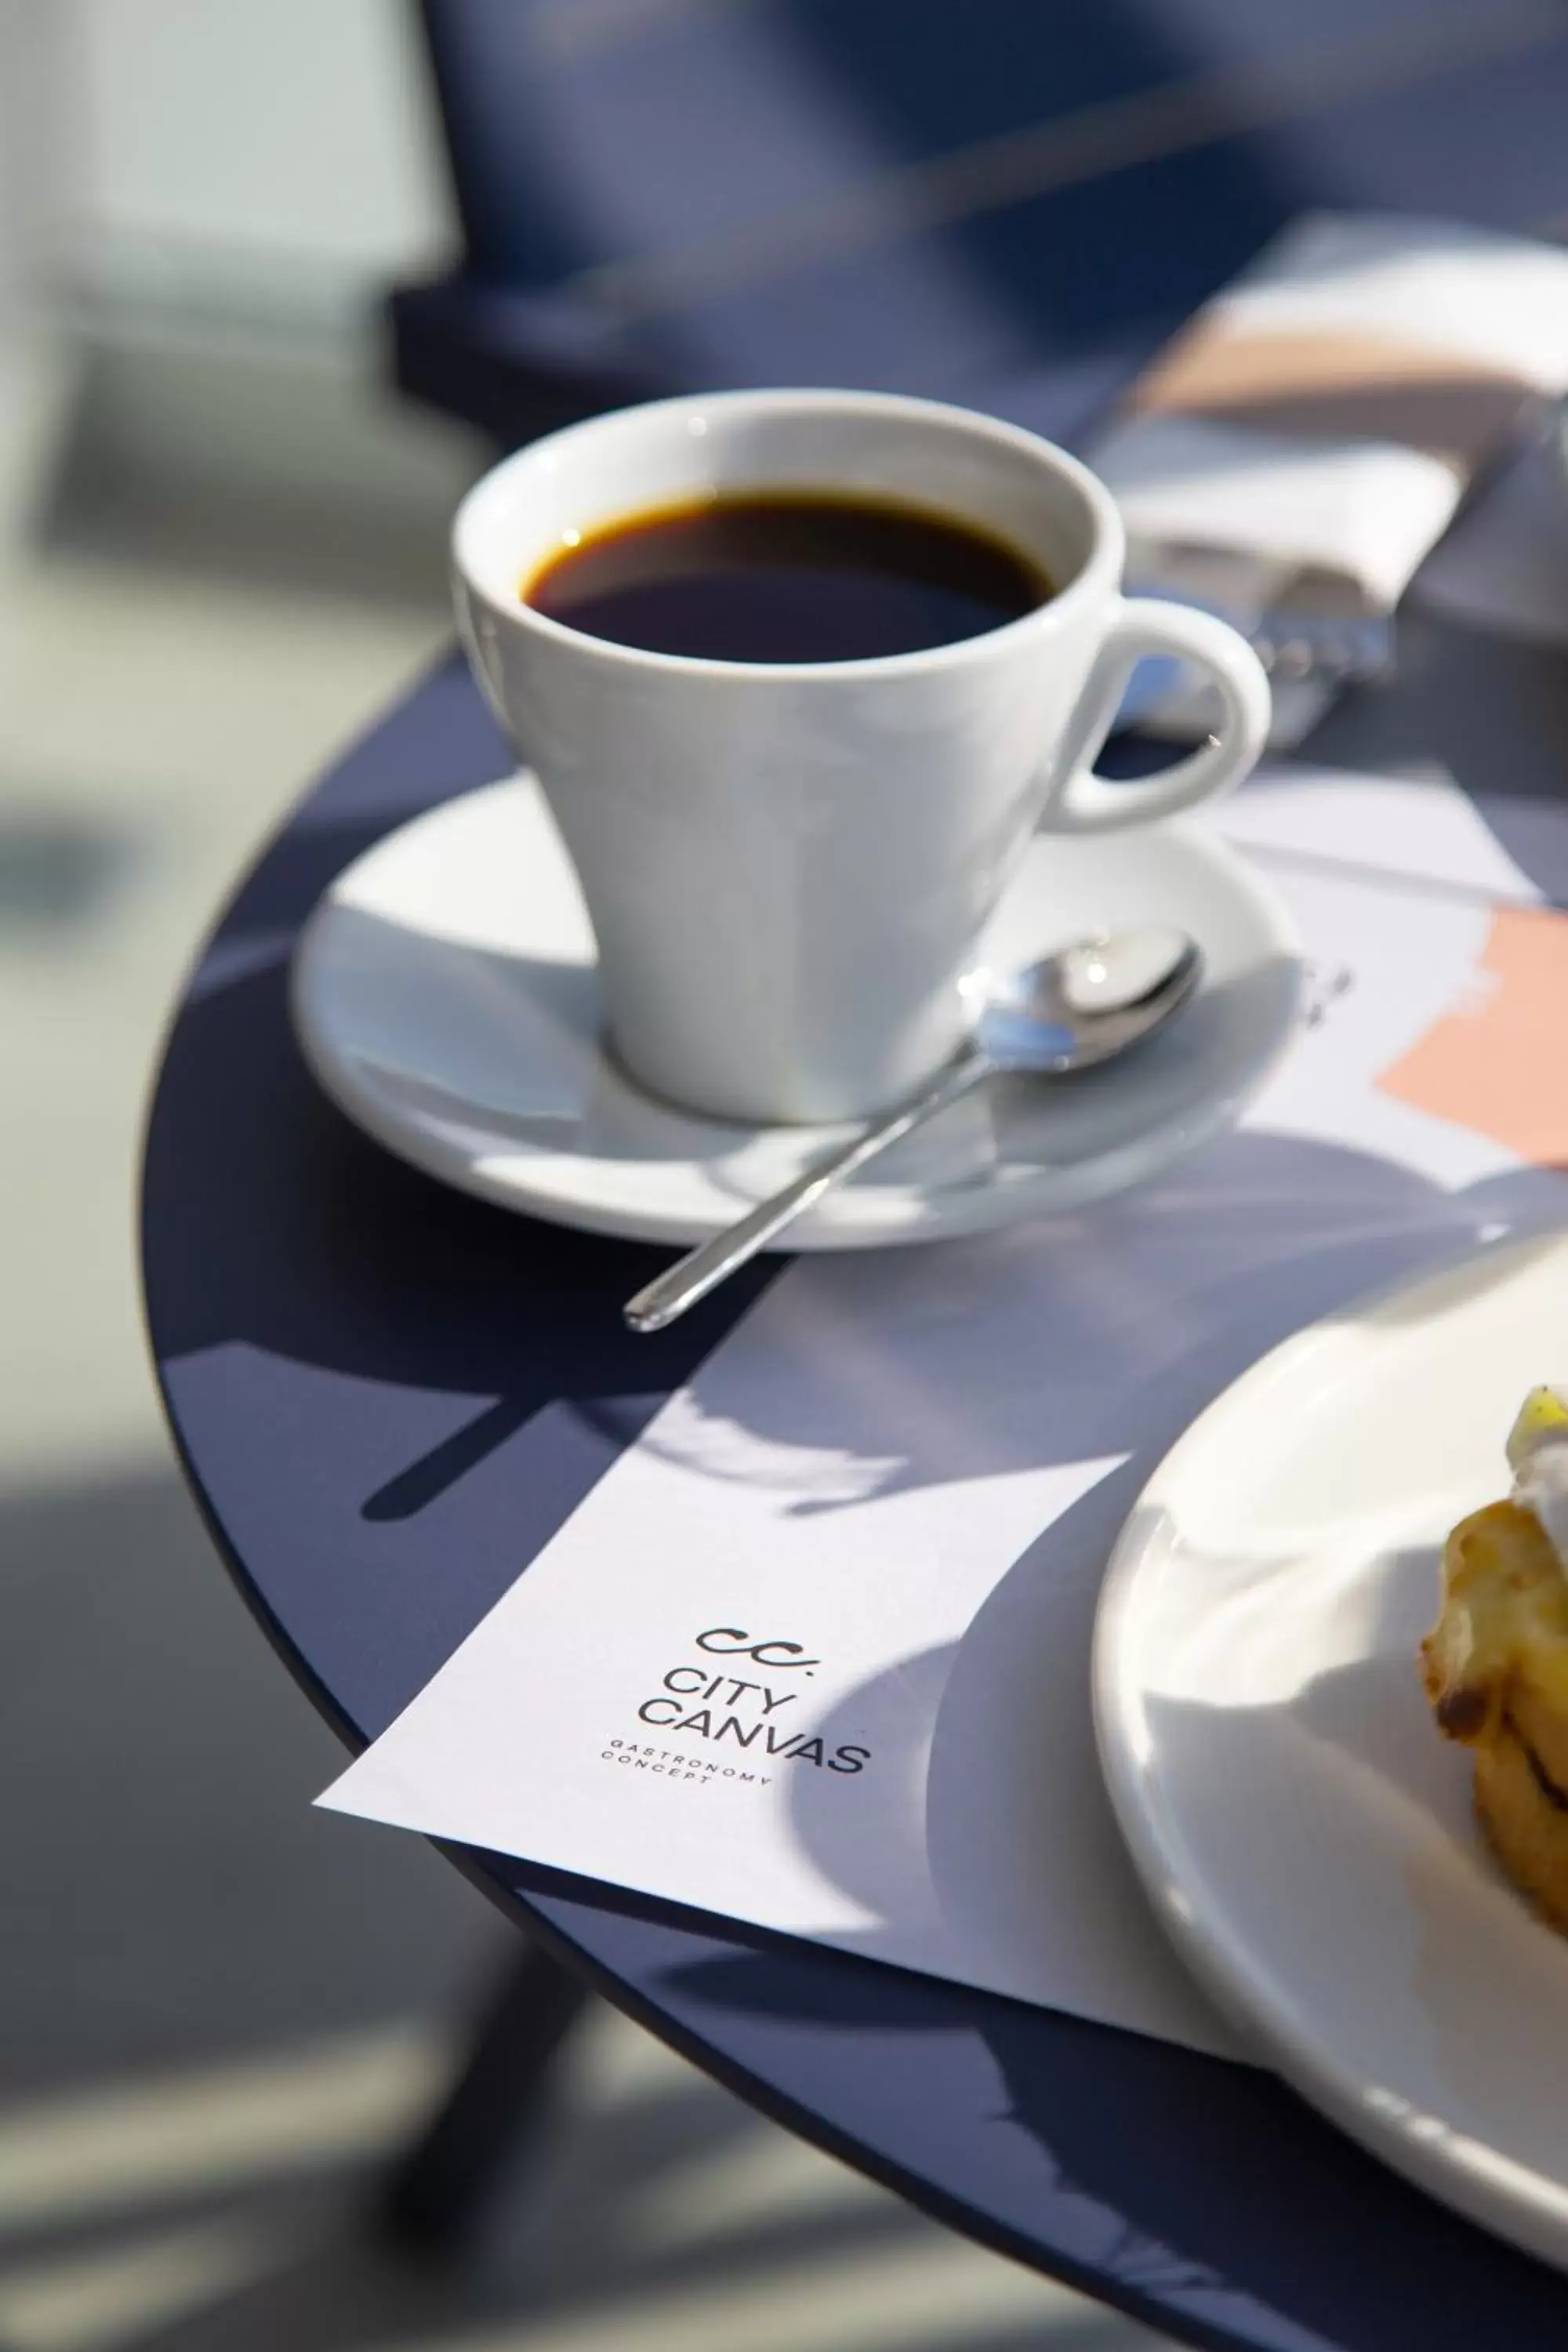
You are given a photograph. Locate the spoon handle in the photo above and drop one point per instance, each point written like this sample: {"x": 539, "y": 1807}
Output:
{"x": 702, "y": 1269}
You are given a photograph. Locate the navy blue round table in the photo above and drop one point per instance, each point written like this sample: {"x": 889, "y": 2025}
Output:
{"x": 351, "y": 1359}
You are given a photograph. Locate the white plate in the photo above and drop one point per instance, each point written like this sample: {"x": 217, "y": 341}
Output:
{"x": 1306, "y": 1833}
{"x": 446, "y": 997}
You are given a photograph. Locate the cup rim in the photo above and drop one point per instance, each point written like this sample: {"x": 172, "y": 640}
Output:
{"x": 1102, "y": 569}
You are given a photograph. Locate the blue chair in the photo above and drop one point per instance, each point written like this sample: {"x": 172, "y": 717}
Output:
{"x": 1007, "y": 202}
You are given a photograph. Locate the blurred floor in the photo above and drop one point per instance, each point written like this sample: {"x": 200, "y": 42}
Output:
{"x": 220, "y": 2011}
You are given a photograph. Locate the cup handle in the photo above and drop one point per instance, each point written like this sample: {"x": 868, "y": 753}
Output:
{"x": 1083, "y": 802}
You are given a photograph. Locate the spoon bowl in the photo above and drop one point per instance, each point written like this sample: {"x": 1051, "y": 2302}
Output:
{"x": 1086, "y": 1004}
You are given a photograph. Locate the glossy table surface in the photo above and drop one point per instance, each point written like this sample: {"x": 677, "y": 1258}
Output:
{"x": 387, "y": 1398}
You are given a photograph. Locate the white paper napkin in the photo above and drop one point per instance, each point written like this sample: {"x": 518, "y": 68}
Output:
{"x": 1290, "y": 459}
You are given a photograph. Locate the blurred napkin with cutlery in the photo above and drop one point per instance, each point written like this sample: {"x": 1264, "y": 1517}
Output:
{"x": 1292, "y": 455}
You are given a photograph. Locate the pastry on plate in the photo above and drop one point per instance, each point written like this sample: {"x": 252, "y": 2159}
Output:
{"x": 1496, "y": 1663}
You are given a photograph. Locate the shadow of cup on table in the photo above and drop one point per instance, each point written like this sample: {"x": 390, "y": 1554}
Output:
{"x": 1059, "y": 1341}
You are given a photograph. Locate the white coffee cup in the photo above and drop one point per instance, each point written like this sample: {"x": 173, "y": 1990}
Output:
{"x": 788, "y": 865}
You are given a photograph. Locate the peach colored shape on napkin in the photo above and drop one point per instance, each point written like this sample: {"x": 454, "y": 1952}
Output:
{"x": 1336, "y": 385}
{"x": 1498, "y": 1061}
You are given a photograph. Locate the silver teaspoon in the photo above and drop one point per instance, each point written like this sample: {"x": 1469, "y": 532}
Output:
{"x": 1084, "y": 1004}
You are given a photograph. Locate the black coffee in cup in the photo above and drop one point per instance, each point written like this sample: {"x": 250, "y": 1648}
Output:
{"x": 786, "y": 576}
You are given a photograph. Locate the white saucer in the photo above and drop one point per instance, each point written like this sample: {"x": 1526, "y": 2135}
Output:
{"x": 1306, "y": 1833}
{"x": 446, "y": 996}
